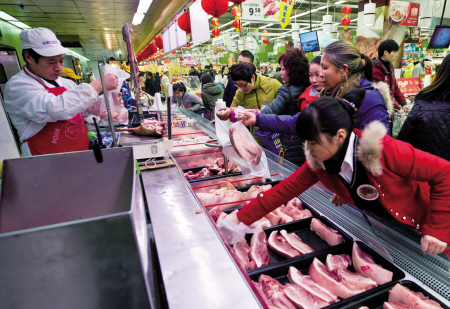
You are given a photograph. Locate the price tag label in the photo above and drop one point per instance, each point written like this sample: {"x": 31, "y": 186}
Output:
{"x": 253, "y": 10}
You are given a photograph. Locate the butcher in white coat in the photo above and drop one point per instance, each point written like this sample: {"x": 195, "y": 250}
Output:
{"x": 46, "y": 109}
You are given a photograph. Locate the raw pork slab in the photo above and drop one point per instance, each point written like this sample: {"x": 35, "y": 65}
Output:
{"x": 365, "y": 265}
{"x": 320, "y": 293}
{"x": 258, "y": 249}
{"x": 246, "y": 149}
{"x": 300, "y": 297}
{"x": 296, "y": 242}
{"x": 395, "y": 306}
{"x": 281, "y": 246}
{"x": 319, "y": 273}
{"x": 354, "y": 280}
{"x": 338, "y": 261}
{"x": 332, "y": 237}
{"x": 401, "y": 294}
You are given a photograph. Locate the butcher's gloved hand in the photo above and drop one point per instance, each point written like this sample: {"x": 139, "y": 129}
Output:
{"x": 234, "y": 231}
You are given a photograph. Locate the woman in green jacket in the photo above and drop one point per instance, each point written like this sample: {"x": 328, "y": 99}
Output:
{"x": 211, "y": 92}
{"x": 255, "y": 90}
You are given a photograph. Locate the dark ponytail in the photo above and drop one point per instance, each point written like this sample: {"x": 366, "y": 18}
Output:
{"x": 327, "y": 115}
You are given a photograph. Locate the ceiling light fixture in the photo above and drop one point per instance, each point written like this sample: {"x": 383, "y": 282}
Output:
{"x": 20, "y": 24}
{"x": 268, "y": 25}
{"x": 7, "y": 17}
{"x": 369, "y": 13}
{"x": 144, "y": 5}
{"x": 137, "y": 18}
{"x": 340, "y": 2}
{"x": 77, "y": 55}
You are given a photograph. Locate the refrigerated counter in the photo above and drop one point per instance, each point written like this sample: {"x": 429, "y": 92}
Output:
{"x": 200, "y": 271}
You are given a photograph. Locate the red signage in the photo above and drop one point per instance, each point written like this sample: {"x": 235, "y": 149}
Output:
{"x": 404, "y": 13}
{"x": 409, "y": 86}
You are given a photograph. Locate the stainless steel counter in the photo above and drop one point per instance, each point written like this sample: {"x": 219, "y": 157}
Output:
{"x": 196, "y": 267}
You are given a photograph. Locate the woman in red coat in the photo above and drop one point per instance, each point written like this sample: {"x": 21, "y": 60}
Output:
{"x": 368, "y": 169}
{"x": 312, "y": 92}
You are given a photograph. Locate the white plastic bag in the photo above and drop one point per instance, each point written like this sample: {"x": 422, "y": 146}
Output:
{"x": 222, "y": 126}
{"x": 118, "y": 111}
{"x": 245, "y": 152}
{"x": 232, "y": 232}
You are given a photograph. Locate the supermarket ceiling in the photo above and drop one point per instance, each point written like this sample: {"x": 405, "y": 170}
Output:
{"x": 96, "y": 26}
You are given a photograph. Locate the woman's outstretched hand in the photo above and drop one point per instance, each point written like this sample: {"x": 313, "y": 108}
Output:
{"x": 224, "y": 113}
{"x": 248, "y": 118}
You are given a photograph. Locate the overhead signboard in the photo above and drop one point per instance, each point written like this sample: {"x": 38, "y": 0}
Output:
{"x": 261, "y": 11}
{"x": 404, "y": 13}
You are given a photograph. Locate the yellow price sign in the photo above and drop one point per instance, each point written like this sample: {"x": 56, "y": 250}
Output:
{"x": 286, "y": 7}
{"x": 184, "y": 71}
{"x": 175, "y": 71}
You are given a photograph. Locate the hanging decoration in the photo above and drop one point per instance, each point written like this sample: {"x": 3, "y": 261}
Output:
{"x": 238, "y": 2}
{"x": 216, "y": 8}
{"x": 158, "y": 41}
{"x": 173, "y": 52}
{"x": 184, "y": 22}
{"x": 237, "y": 12}
{"x": 215, "y": 23}
{"x": 346, "y": 20}
{"x": 153, "y": 48}
{"x": 265, "y": 40}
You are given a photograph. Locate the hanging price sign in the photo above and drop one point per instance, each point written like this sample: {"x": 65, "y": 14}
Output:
{"x": 253, "y": 10}
{"x": 286, "y": 7}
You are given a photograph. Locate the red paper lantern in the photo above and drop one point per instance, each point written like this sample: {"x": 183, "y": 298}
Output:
{"x": 265, "y": 41}
{"x": 237, "y": 24}
{"x": 189, "y": 45}
{"x": 238, "y": 2}
{"x": 215, "y": 22}
{"x": 346, "y": 10}
{"x": 184, "y": 22}
{"x": 345, "y": 21}
{"x": 215, "y": 8}
{"x": 173, "y": 52}
{"x": 153, "y": 48}
{"x": 265, "y": 31}
{"x": 236, "y": 11}
{"x": 158, "y": 41}
{"x": 216, "y": 32}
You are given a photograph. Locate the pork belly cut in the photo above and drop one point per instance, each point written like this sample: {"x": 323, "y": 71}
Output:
{"x": 319, "y": 273}
{"x": 390, "y": 305}
{"x": 354, "y": 280}
{"x": 366, "y": 266}
{"x": 258, "y": 249}
{"x": 401, "y": 294}
{"x": 341, "y": 261}
{"x": 296, "y": 242}
{"x": 296, "y": 203}
{"x": 332, "y": 237}
{"x": 281, "y": 246}
{"x": 300, "y": 297}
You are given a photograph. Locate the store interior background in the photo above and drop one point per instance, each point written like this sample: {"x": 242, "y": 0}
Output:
{"x": 93, "y": 29}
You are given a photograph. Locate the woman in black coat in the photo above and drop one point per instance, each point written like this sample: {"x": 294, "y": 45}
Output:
{"x": 151, "y": 86}
{"x": 427, "y": 127}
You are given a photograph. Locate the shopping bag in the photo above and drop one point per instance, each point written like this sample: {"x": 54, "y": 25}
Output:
{"x": 244, "y": 151}
{"x": 118, "y": 111}
{"x": 272, "y": 141}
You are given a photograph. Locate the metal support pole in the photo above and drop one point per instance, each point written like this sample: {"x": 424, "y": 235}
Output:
{"x": 169, "y": 119}
{"x": 108, "y": 108}
{"x": 443, "y": 11}
{"x": 310, "y": 16}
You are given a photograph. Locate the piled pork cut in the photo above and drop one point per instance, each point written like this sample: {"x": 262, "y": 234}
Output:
{"x": 324, "y": 285}
{"x": 216, "y": 168}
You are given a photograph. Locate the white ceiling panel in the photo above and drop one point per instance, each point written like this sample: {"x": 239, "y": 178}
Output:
{"x": 56, "y": 3}
{"x": 53, "y": 9}
{"x": 16, "y": 8}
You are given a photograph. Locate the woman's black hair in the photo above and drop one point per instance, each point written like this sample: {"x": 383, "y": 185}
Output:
{"x": 242, "y": 71}
{"x": 327, "y": 115}
{"x": 438, "y": 90}
{"x": 316, "y": 60}
{"x": 206, "y": 79}
{"x": 179, "y": 87}
{"x": 223, "y": 69}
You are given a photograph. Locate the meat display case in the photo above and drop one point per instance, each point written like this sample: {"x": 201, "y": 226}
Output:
{"x": 200, "y": 271}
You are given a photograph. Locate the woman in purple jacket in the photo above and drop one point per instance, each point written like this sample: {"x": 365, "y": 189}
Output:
{"x": 343, "y": 68}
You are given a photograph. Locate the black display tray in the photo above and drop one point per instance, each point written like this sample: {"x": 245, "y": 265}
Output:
{"x": 280, "y": 271}
{"x": 376, "y": 299}
{"x": 199, "y": 168}
{"x": 302, "y": 229}
{"x": 134, "y": 122}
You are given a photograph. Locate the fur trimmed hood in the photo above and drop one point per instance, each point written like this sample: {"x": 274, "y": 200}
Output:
{"x": 385, "y": 92}
{"x": 369, "y": 150}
